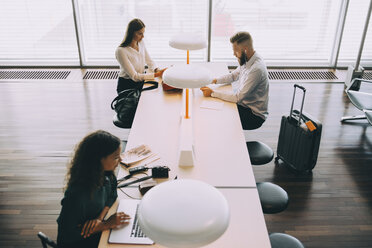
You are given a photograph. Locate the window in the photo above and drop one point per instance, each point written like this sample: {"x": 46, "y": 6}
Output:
{"x": 37, "y": 32}
{"x": 283, "y": 32}
{"x": 104, "y": 23}
{"x": 355, "y": 21}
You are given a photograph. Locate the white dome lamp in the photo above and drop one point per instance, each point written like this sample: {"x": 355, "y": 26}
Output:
{"x": 183, "y": 214}
{"x": 187, "y": 41}
{"x": 187, "y": 76}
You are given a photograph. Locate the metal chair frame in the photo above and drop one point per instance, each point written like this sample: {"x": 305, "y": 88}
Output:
{"x": 46, "y": 241}
{"x": 349, "y": 90}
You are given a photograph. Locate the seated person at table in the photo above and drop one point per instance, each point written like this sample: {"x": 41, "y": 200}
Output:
{"x": 91, "y": 191}
{"x": 132, "y": 56}
{"x": 249, "y": 81}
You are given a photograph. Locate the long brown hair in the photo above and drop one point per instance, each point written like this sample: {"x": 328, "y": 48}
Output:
{"x": 86, "y": 169}
{"x": 133, "y": 26}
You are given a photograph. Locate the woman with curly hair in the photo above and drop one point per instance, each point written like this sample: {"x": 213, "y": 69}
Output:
{"x": 91, "y": 191}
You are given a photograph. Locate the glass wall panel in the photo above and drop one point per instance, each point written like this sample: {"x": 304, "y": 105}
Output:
{"x": 103, "y": 24}
{"x": 285, "y": 32}
{"x": 355, "y": 20}
{"x": 37, "y": 32}
{"x": 367, "y": 50}
{"x": 290, "y": 32}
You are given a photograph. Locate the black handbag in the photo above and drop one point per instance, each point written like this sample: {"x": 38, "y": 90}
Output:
{"x": 125, "y": 105}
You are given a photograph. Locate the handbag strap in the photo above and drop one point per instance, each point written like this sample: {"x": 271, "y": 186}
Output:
{"x": 153, "y": 86}
{"x": 121, "y": 93}
{"x": 112, "y": 103}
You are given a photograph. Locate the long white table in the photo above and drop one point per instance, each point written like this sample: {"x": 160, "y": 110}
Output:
{"x": 222, "y": 158}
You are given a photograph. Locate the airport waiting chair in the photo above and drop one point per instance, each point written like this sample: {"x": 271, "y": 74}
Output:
{"x": 361, "y": 100}
{"x": 368, "y": 114}
{"x": 46, "y": 241}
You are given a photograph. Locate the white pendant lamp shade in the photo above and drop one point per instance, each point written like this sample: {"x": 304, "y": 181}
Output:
{"x": 188, "y": 41}
{"x": 183, "y": 213}
{"x": 187, "y": 76}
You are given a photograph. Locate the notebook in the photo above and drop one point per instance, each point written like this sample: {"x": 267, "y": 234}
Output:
{"x": 131, "y": 233}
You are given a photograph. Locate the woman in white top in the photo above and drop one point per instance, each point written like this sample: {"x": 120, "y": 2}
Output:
{"x": 132, "y": 57}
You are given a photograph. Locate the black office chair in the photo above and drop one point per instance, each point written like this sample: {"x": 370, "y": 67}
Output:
{"x": 46, "y": 241}
{"x": 259, "y": 153}
{"x": 121, "y": 124}
{"x": 273, "y": 198}
{"x": 361, "y": 100}
{"x": 282, "y": 240}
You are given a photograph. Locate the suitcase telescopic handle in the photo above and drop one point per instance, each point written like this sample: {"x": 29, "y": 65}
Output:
{"x": 302, "y": 104}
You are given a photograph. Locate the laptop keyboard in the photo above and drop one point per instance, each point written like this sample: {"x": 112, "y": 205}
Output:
{"x": 136, "y": 230}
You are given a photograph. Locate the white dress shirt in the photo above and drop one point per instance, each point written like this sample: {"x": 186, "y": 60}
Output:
{"x": 132, "y": 62}
{"x": 250, "y": 85}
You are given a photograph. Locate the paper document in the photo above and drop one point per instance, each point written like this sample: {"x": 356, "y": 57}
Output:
{"x": 136, "y": 154}
{"x": 211, "y": 105}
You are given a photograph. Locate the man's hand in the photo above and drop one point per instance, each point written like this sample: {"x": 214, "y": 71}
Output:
{"x": 159, "y": 73}
{"x": 207, "y": 92}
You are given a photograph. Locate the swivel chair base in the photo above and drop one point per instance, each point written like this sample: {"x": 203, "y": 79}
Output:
{"x": 368, "y": 115}
{"x": 353, "y": 118}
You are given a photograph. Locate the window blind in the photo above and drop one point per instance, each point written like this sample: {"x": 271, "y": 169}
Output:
{"x": 354, "y": 25}
{"x": 37, "y": 32}
{"x": 104, "y": 24}
{"x": 285, "y": 33}
{"x": 290, "y": 32}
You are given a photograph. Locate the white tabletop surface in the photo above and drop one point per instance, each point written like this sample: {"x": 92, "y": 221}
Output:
{"x": 222, "y": 158}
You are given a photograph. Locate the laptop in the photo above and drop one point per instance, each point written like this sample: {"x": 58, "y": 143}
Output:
{"x": 130, "y": 233}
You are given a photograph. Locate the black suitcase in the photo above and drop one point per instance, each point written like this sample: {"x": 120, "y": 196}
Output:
{"x": 299, "y": 138}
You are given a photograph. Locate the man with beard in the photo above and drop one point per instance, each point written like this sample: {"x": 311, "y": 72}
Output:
{"x": 249, "y": 81}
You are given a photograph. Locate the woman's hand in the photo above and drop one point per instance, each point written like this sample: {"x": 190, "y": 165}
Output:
{"x": 90, "y": 227}
{"x": 159, "y": 73}
{"x": 117, "y": 220}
